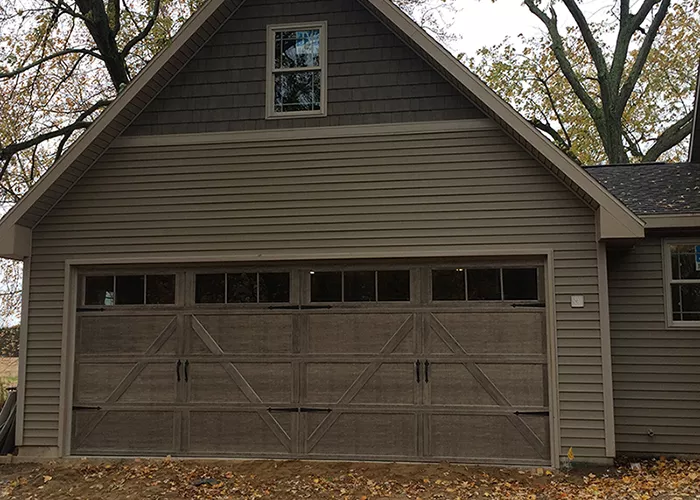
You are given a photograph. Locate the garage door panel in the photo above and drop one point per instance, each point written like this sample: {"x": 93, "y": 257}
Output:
{"x": 126, "y": 334}
{"x": 392, "y": 384}
{"x": 125, "y": 432}
{"x": 479, "y": 436}
{"x": 327, "y": 382}
{"x": 389, "y": 384}
{"x": 242, "y": 334}
{"x": 359, "y": 333}
{"x": 237, "y": 432}
{"x": 521, "y": 384}
{"x": 155, "y": 383}
{"x": 490, "y": 332}
{"x": 95, "y": 382}
{"x": 453, "y": 384}
{"x": 368, "y": 434}
{"x": 210, "y": 383}
{"x": 271, "y": 382}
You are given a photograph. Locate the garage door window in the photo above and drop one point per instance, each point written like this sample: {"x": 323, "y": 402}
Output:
{"x": 485, "y": 284}
{"x": 138, "y": 289}
{"x": 242, "y": 288}
{"x": 361, "y": 286}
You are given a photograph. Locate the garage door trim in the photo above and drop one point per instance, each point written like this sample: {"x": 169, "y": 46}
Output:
{"x": 71, "y": 303}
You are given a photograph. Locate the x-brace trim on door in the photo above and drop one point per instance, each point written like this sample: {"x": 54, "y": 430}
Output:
{"x": 242, "y": 383}
{"x": 128, "y": 379}
{"x": 453, "y": 344}
{"x": 391, "y": 345}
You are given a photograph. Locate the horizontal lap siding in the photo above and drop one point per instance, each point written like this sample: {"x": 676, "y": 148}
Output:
{"x": 656, "y": 370}
{"x": 373, "y": 77}
{"x": 275, "y": 200}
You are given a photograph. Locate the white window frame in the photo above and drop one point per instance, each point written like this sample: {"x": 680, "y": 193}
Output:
{"x": 668, "y": 281}
{"x": 322, "y": 26}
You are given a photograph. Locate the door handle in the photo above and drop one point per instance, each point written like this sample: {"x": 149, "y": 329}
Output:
{"x": 177, "y": 369}
{"x": 418, "y": 371}
{"x": 187, "y": 370}
{"x": 427, "y": 371}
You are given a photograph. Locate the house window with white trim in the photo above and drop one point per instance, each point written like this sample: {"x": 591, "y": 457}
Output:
{"x": 296, "y": 77}
{"x": 683, "y": 278}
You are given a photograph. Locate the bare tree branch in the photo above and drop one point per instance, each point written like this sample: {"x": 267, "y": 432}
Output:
{"x": 144, "y": 32}
{"x": 670, "y": 137}
{"x": 8, "y": 151}
{"x": 84, "y": 115}
{"x": 643, "y": 54}
{"x": 42, "y": 60}
{"x": 564, "y": 63}
{"x": 588, "y": 38}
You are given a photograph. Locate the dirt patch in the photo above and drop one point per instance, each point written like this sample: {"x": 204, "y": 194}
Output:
{"x": 171, "y": 480}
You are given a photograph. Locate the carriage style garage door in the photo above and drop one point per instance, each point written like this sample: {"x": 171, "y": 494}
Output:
{"x": 412, "y": 362}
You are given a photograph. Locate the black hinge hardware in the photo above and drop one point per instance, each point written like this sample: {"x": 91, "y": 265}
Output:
{"x": 418, "y": 371}
{"x": 534, "y": 412}
{"x": 530, "y": 304}
{"x": 187, "y": 370}
{"x": 177, "y": 369}
{"x": 285, "y": 410}
{"x": 78, "y": 408}
{"x": 427, "y": 371}
{"x": 299, "y": 308}
{"x": 90, "y": 309}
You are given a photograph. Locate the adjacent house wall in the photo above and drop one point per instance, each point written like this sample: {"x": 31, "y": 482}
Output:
{"x": 373, "y": 77}
{"x": 656, "y": 370}
{"x": 453, "y": 192}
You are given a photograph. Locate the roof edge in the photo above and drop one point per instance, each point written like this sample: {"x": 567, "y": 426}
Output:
{"x": 672, "y": 221}
{"x": 510, "y": 116}
{"x": 695, "y": 132}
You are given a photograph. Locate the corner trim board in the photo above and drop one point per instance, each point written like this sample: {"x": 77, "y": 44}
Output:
{"x": 606, "y": 351}
{"x": 23, "y": 345}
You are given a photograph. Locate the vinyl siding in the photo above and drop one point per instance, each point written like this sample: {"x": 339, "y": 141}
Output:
{"x": 656, "y": 370}
{"x": 373, "y": 77}
{"x": 450, "y": 191}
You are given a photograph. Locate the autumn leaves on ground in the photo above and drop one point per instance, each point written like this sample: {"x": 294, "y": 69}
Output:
{"x": 166, "y": 479}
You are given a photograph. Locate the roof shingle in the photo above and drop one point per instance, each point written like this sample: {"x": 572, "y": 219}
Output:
{"x": 658, "y": 188}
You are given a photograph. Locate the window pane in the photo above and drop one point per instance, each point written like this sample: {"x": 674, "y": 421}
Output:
{"x": 360, "y": 286}
{"x": 160, "y": 289}
{"x": 484, "y": 284}
{"x": 394, "y": 286}
{"x": 274, "y": 287}
{"x": 99, "y": 290}
{"x": 686, "y": 302}
{"x": 130, "y": 289}
{"x": 683, "y": 262}
{"x": 520, "y": 284}
{"x": 326, "y": 287}
{"x": 298, "y": 91}
{"x": 209, "y": 288}
{"x": 297, "y": 49}
{"x": 242, "y": 288}
{"x": 448, "y": 284}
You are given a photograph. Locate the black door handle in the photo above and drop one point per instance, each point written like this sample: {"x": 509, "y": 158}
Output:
{"x": 187, "y": 370}
{"x": 418, "y": 371}
{"x": 177, "y": 369}
{"x": 427, "y": 371}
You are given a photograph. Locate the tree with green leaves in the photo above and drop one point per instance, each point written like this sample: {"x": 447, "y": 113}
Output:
{"x": 615, "y": 90}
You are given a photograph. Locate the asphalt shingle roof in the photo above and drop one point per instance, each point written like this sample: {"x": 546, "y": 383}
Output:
{"x": 658, "y": 188}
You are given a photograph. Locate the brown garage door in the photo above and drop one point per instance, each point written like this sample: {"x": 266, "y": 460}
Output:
{"x": 400, "y": 362}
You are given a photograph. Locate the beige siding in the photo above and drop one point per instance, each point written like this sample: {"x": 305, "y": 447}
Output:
{"x": 656, "y": 370}
{"x": 452, "y": 191}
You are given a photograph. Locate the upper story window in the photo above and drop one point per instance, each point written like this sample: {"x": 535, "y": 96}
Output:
{"x": 296, "y": 77}
{"x": 683, "y": 283}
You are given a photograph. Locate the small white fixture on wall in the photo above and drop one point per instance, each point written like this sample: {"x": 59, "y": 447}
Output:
{"x": 577, "y": 301}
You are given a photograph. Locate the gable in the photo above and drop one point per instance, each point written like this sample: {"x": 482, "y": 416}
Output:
{"x": 614, "y": 220}
{"x": 373, "y": 76}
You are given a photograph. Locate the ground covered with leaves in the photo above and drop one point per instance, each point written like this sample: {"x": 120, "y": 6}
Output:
{"x": 170, "y": 479}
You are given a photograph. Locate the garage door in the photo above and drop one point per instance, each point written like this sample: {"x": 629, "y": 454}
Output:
{"x": 395, "y": 362}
